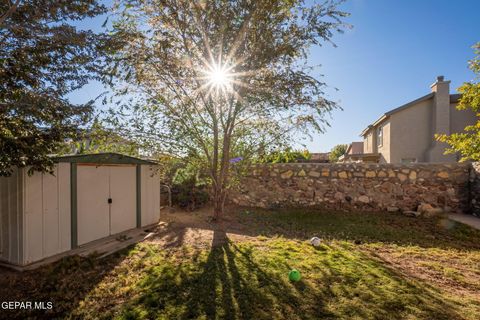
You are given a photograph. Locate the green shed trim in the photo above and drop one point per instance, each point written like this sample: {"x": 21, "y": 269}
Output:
{"x": 102, "y": 158}
{"x": 73, "y": 205}
{"x": 139, "y": 196}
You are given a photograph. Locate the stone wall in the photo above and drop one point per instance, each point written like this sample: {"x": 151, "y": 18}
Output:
{"x": 475, "y": 188}
{"x": 358, "y": 186}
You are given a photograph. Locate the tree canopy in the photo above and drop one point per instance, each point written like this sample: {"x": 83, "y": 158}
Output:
{"x": 43, "y": 57}
{"x": 221, "y": 80}
{"x": 337, "y": 151}
{"x": 468, "y": 143}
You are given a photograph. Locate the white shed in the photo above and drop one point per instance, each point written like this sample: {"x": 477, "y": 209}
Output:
{"x": 88, "y": 197}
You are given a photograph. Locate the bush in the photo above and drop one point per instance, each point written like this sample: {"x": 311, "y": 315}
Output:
{"x": 189, "y": 188}
{"x": 189, "y": 196}
{"x": 286, "y": 156}
{"x": 337, "y": 151}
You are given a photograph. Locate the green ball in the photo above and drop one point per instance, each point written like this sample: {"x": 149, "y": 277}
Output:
{"x": 294, "y": 275}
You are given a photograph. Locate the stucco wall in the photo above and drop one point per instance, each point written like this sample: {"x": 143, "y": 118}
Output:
{"x": 408, "y": 134}
{"x": 459, "y": 119}
{"x": 356, "y": 186}
{"x": 368, "y": 143}
{"x": 411, "y": 132}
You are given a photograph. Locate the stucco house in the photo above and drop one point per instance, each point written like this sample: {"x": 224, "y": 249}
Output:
{"x": 354, "y": 153}
{"x": 407, "y": 134}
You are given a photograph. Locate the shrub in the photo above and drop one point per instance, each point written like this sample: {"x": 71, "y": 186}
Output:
{"x": 189, "y": 188}
{"x": 286, "y": 156}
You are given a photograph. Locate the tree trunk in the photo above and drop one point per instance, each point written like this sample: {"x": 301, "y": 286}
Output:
{"x": 217, "y": 202}
{"x": 220, "y": 193}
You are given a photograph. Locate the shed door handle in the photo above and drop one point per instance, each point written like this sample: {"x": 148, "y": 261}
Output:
{"x": 109, "y": 200}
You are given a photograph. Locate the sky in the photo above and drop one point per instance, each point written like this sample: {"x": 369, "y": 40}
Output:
{"x": 391, "y": 55}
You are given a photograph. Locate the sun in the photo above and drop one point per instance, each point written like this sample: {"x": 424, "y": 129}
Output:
{"x": 219, "y": 77}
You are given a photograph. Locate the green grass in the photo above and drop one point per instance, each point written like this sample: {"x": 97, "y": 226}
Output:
{"x": 361, "y": 271}
{"x": 361, "y": 226}
{"x": 249, "y": 281}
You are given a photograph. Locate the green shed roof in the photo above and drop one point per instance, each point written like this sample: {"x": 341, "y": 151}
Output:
{"x": 103, "y": 158}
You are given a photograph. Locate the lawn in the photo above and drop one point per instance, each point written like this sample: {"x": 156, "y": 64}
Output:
{"x": 369, "y": 266}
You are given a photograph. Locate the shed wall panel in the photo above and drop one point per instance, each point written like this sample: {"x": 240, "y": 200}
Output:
{"x": 33, "y": 218}
{"x": 20, "y": 214}
{"x": 4, "y": 220}
{"x": 11, "y": 218}
{"x": 150, "y": 195}
{"x": 64, "y": 206}
{"x": 15, "y": 219}
{"x": 51, "y": 232}
{"x": 47, "y": 213}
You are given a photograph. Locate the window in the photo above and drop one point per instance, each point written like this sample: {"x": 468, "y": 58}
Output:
{"x": 380, "y": 136}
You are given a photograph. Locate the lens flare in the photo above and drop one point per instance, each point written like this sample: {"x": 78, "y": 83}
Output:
{"x": 219, "y": 77}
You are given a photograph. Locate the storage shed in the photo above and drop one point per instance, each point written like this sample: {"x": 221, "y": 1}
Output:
{"x": 88, "y": 197}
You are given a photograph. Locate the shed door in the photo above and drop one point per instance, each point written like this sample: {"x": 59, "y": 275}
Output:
{"x": 93, "y": 191}
{"x": 123, "y": 192}
{"x": 106, "y": 201}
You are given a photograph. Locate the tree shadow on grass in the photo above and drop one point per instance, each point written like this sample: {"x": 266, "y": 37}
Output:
{"x": 240, "y": 281}
{"x": 63, "y": 283}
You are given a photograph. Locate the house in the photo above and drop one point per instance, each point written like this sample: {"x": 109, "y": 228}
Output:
{"x": 354, "y": 153}
{"x": 86, "y": 198}
{"x": 407, "y": 134}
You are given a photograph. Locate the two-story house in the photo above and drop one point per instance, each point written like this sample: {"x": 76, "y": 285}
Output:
{"x": 407, "y": 134}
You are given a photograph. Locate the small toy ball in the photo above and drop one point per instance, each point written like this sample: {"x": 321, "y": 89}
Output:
{"x": 315, "y": 241}
{"x": 294, "y": 275}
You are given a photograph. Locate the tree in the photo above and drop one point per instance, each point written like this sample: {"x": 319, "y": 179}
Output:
{"x": 468, "y": 143}
{"x": 43, "y": 58}
{"x": 217, "y": 81}
{"x": 337, "y": 151}
{"x": 97, "y": 139}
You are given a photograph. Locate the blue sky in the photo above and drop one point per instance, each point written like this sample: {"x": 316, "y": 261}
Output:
{"x": 392, "y": 54}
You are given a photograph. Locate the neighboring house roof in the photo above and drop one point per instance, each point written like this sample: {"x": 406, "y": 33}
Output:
{"x": 453, "y": 99}
{"x": 107, "y": 157}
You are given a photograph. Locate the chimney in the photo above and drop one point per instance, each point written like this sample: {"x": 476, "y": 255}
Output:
{"x": 440, "y": 119}
{"x": 441, "y": 106}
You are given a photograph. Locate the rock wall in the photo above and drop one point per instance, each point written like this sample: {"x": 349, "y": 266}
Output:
{"x": 475, "y": 188}
{"x": 357, "y": 186}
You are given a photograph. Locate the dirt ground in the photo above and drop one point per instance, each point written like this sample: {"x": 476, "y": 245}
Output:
{"x": 178, "y": 227}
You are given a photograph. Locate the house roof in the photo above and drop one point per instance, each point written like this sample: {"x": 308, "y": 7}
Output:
{"x": 453, "y": 99}
{"x": 103, "y": 158}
